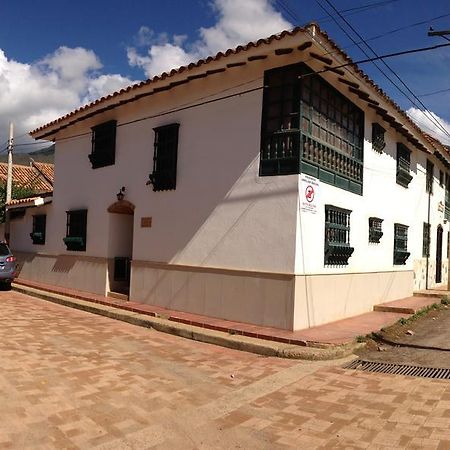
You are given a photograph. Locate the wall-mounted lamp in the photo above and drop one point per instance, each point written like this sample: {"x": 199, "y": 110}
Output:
{"x": 121, "y": 194}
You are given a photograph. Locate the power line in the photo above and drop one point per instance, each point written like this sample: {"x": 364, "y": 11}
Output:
{"x": 236, "y": 94}
{"x": 358, "y": 9}
{"x": 434, "y": 93}
{"x": 428, "y": 113}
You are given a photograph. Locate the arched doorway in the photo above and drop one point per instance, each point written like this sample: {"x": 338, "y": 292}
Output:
{"x": 439, "y": 254}
{"x": 120, "y": 248}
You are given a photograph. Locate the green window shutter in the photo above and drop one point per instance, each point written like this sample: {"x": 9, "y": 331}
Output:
{"x": 401, "y": 253}
{"x": 429, "y": 177}
{"x": 164, "y": 175}
{"x": 426, "y": 240}
{"x": 375, "y": 230}
{"x": 308, "y": 126}
{"x": 403, "y": 176}
{"x": 76, "y": 230}
{"x": 38, "y": 233}
{"x": 103, "y": 145}
{"x": 337, "y": 249}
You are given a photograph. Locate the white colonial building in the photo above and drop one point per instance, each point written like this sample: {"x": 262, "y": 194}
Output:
{"x": 274, "y": 184}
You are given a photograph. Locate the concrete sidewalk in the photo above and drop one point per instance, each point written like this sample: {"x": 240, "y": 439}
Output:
{"x": 333, "y": 340}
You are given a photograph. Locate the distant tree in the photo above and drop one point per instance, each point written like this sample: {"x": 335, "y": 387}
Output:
{"x": 18, "y": 192}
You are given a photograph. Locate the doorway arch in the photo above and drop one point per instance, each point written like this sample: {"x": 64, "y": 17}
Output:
{"x": 120, "y": 247}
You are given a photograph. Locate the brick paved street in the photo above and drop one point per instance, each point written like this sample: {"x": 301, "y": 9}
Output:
{"x": 69, "y": 379}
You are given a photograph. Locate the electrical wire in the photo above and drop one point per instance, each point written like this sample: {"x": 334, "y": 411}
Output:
{"x": 434, "y": 93}
{"x": 358, "y": 9}
{"x": 428, "y": 114}
{"x": 243, "y": 92}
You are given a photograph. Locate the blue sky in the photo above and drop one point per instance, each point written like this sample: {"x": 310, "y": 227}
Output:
{"x": 57, "y": 55}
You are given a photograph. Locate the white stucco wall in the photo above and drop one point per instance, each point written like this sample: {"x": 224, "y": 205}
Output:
{"x": 224, "y": 216}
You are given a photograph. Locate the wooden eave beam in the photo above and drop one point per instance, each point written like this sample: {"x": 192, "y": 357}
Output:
{"x": 304, "y": 46}
{"x": 332, "y": 69}
{"x": 283, "y": 51}
{"x": 195, "y": 77}
{"x": 256, "y": 57}
{"x": 236, "y": 64}
{"x": 348, "y": 83}
{"x": 321, "y": 58}
{"x": 358, "y": 92}
{"x": 212, "y": 72}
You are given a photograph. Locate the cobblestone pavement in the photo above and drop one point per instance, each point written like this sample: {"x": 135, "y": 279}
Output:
{"x": 69, "y": 379}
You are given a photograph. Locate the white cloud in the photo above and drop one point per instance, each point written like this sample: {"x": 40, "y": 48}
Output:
{"x": 34, "y": 94}
{"x": 435, "y": 127}
{"x": 238, "y": 23}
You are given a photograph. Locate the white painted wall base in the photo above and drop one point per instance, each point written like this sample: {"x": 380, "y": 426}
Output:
{"x": 74, "y": 272}
{"x": 320, "y": 299}
{"x": 253, "y": 297}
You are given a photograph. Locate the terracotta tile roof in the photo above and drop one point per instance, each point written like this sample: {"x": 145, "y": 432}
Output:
{"x": 47, "y": 170}
{"x": 312, "y": 30}
{"x": 29, "y": 199}
{"x": 27, "y": 176}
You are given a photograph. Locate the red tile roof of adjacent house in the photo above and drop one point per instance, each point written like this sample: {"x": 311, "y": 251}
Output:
{"x": 46, "y": 169}
{"x": 20, "y": 201}
{"x": 39, "y": 179}
{"x": 312, "y": 30}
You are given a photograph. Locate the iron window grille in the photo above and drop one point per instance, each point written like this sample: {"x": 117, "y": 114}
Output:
{"x": 375, "y": 230}
{"x": 378, "y": 142}
{"x": 337, "y": 236}
{"x": 429, "y": 177}
{"x": 308, "y": 126}
{"x": 76, "y": 228}
{"x": 103, "y": 151}
{"x": 426, "y": 240}
{"x": 403, "y": 165}
{"x": 401, "y": 253}
{"x": 164, "y": 175}
{"x": 38, "y": 231}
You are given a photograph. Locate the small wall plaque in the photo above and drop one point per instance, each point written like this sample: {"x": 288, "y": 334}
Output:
{"x": 146, "y": 222}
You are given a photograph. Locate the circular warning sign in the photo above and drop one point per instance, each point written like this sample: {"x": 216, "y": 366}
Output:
{"x": 309, "y": 193}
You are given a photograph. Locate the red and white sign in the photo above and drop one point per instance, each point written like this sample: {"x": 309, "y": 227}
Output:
{"x": 308, "y": 194}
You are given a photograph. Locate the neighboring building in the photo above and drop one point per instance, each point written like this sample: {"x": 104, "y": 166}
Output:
{"x": 274, "y": 184}
{"x": 36, "y": 178}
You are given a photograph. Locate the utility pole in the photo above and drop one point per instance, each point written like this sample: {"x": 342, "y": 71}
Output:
{"x": 444, "y": 34}
{"x": 9, "y": 180}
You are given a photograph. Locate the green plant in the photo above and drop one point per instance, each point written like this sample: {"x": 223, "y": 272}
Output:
{"x": 402, "y": 321}
{"x": 445, "y": 300}
{"x": 18, "y": 192}
{"x": 360, "y": 338}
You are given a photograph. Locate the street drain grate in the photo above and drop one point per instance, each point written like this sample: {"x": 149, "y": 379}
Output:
{"x": 399, "y": 369}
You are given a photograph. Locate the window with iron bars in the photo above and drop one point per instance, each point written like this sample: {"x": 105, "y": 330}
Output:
{"x": 401, "y": 253}
{"x": 378, "y": 142}
{"x": 404, "y": 176}
{"x": 76, "y": 230}
{"x": 375, "y": 230}
{"x": 429, "y": 177}
{"x": 337, "y": 236}
{"x": 103, "y": 151}
{"x": 38, "y": 232}
{"x": 164, "y": 175}
{"x": 426, "y": 240}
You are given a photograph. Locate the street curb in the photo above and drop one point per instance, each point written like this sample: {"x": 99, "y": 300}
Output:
{"x": 236, "y": 342}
